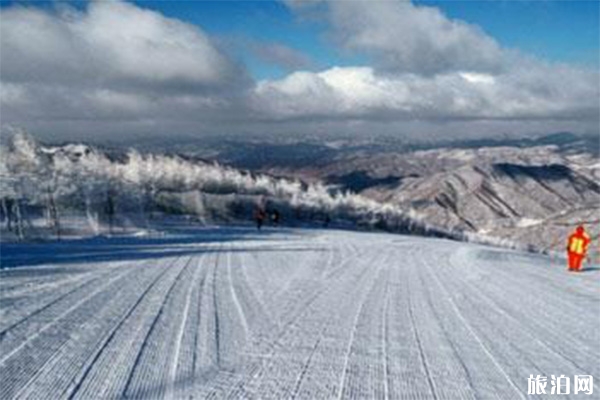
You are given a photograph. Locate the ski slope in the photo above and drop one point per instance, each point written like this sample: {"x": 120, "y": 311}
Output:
{"x": 289, "y": 314}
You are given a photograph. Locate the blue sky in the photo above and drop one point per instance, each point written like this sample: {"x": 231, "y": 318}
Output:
{"x": 264, "y": 21}
{"x": 558, "y": 31}
{"x": 563, "y": 31}
{"x": 426, "y": 69}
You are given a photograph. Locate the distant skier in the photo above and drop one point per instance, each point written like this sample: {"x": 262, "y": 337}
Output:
{"x": 577, "y": 248}
{"x": 259, "y": 217}
{"x": 275, "y": 217}
{"x": 110, "y": 209}
{"x": 327, "y": 221}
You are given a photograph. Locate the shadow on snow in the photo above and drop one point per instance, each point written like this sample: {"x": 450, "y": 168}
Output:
{"x": 174, "y": 243}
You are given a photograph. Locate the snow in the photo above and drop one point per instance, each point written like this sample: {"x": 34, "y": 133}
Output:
{"x": 527, "y": 222}
{"x": 288, "y": 313}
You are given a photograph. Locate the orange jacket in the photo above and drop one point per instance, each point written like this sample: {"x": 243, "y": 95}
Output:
{"x": 578, "y": 243}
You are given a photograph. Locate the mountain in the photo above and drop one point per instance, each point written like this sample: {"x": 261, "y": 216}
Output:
{"x": 523, "y": 196}
{"x": 532, "y": 195}
{"x": 290, "y": 153}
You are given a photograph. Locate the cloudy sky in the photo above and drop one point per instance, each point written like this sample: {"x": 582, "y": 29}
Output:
{"x": 415, "y": 70}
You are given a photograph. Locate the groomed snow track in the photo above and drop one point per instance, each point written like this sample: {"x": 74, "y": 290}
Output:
{"x": 289, "y": 314}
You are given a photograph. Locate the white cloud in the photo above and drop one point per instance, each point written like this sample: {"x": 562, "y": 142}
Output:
{"x": 110, "y": 43}
{"x": 477, "y": 78}
{"x": 427, "y": 67}
{"x": 403, "y": 37}
{"x": 351, "y": 92}
{"x": 111, "y": 63}
{"x": 115, "y": 67}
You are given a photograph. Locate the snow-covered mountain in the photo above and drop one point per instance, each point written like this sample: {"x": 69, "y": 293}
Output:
{"x": 525, "y": 196}
{"x": 532, "y": 195}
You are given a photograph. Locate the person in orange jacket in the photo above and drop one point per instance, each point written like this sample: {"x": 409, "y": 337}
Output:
{"x": 577, "y": 248}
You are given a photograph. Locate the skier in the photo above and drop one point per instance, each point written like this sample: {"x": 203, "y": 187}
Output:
{"x": 275, "y": 218}
{"x": 259, "y": 217}
{"x": 577, "y": 248}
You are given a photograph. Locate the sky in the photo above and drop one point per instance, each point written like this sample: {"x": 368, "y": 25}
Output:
{"x": 299, "y": 68}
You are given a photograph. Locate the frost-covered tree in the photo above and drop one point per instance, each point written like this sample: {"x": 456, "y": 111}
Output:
{"x": 81, "y": 180}
{"x": 23, "y": 172}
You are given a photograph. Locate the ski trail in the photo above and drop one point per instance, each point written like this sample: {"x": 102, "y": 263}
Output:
{"x": 523, "y": 325}
{"x": 446, "y": 335}
{"x": 67, "y": 312}
{"x": 85, "y": 371}
{"x": 520, "y": 328}
{"x": 234, "y": 296}
{"x": 171, "y": 391}
{"x": 128, "y": 385}
{"x": 199, "y": 322}
{"x": 523, "y": 328}
{"x": 60, "y": 357}
{"x": 422, "y": 357}
{"x": 255, "y": 298}
{"x": 90, "y": 280}
{"x": 348, "y": 352}
{"x": 201, "y": 357}
{"x": 475, "y": 336}
{"x": 295, "y": 314}
{"x": 14, "y": 286}
{"x": 384, "y": 339}
{"x": 276, "y": 343}
{"x": 215, "y": 308}
{"x": 108, "y": 376}
{"x": 524, "y": 335}
{"x": 34, "y": 288}
{"x": 306, "y": 366}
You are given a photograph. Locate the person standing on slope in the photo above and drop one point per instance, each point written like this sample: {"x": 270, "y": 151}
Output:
{"x": 275, "y": 217}
{"x": 577, "y": 248}
{"x": 259, "y": 217}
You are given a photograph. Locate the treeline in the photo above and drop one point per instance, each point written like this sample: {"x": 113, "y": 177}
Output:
{"x": 52, "y": 191}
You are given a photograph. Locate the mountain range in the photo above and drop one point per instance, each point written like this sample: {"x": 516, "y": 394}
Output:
{"x": 529, "y": 193}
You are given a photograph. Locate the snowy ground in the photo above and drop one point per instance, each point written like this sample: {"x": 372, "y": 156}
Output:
{"x": 289, "y": 314}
